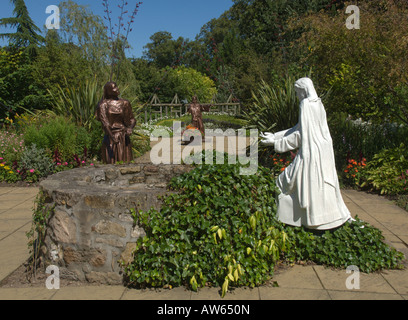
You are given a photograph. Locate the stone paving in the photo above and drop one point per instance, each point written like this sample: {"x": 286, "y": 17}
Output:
{"x": 309, "y": 282}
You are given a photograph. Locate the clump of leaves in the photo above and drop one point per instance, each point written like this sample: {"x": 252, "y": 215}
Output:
{"x": 37, "y": 159}
{"x": 387, "y": 172}
{"x": 217, "y": 229}
{"x": 353, "y": 244}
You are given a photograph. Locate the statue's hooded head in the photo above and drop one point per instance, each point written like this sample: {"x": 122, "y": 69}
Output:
{"x": 305, "y": 89}
{"x": 111, "y": 91}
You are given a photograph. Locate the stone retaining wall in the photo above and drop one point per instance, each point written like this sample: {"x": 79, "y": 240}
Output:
{"x": 91, "y": 227}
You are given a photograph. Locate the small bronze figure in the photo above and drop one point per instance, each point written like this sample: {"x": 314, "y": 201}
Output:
{"x": 196, "y": 110}
{"x": 118, "y": 121}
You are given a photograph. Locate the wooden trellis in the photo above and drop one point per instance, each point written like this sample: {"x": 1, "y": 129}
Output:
{"x": 156, "y": 110}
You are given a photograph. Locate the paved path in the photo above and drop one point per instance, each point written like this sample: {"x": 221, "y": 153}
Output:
{"x": 295, "y": 283}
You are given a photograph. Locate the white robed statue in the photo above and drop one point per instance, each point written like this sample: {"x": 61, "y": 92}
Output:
{"x": 310, "y": 192}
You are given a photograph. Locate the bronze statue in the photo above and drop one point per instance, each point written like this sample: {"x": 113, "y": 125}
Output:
{"x": 196, "y": 110}
{"x": 118, "y": 121}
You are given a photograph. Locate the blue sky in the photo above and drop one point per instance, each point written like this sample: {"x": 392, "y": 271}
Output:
{"x": 179, "y": 17}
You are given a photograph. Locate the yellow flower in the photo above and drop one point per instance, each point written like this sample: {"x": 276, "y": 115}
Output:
{"x": 11, "y": 172}
{"x": 7, "y": 168}
{"x": 1, "y": 164}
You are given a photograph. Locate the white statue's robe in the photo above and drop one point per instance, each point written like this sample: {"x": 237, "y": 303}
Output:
{"x": 310, "y": 192}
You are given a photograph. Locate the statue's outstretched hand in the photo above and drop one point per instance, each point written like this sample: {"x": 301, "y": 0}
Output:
{"x": 268, "y": 138}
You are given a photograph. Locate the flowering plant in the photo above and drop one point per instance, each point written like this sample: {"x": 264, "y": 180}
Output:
{"x": 189, "y": 133}
{"x": 354, "y": 171}
{"x": 281, "y": 162}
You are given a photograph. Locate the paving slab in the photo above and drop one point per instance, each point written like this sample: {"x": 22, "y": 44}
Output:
{"x": 355, "y": 295}
{"x": 398, "y": 279}
{"x": 208, "y": 294}
{"x": 268, "y": 293}
{"x": 25, "y": 294}
{"x": 337, "y": 280}
{"x": 13, "y": 252}
{"x": 89, "y": 293}
{"x": 16, "y": 214}
{"x": 289, "y": 278}
{"x": 180, "y": 293}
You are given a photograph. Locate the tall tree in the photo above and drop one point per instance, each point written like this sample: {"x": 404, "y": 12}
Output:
{"x": 27, "y": 33}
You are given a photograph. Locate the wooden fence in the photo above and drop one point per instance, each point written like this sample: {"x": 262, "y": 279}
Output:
{"x": 156, "y": 110}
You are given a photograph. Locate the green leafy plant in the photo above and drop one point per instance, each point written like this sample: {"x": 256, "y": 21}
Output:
{"x": 387, "y": 171}
{"x": 78, "y": 102}
{"x": 198, "y": 238}
{"x": 36, "y": 159}
{"x": 274, "y": 108}
{"x": 8, "y": 174}
{"x": 355, "y": 243}
{"x": 36, "y": 235}
{"x": 140, "y": 144}
{"x": 58, "y": 134}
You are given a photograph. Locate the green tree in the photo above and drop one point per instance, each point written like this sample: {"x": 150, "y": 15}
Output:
{"x": 360, "y": 66}
{"x": 164, "y": 51}
{"x": 18, "y": 90}
{"x": 27, "y": 33}
{"x": 82, "y": 29}
{"x": 186, "y": 82}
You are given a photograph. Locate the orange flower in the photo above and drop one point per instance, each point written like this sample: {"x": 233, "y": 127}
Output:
{"x": 346, "y": 171}
{"x": 283, "y": 169}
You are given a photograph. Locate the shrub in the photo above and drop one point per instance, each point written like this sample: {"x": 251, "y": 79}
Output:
{"x": 37, "y": 159}
{"x": 8, "y": 174}
{"x": 357, "y": 139}
{"x": 355, "y": 243}
{"x": 200, "y": 238}
{"x": 354, "y": 172}
{"x": 58, "y": 134}
{"x": 140, "y": 144}
{"x": 387, "y": 172}
{"x": 78, "y": 102}
{"x": 274, "y": 109}
{"x": 11, "y": 146}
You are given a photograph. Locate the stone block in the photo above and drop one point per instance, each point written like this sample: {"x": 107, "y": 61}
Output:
{"x": 63, "y": 228}
{"x": 127, "y": 254}
{"x": 72, "y": 256}
{"x": 138, "y": 232}
{"x": 110, "y": 242}
{"x": 159, "y": 179}
{"x": 98, "y": 259}
{"x": 99, "y": 202}
{"x": 109, "y": 227}
{"x": 149, "y": 169}
{"x": 138, "y": 179}
{"x": 66, "y": 198}
{"x": 111, "y": 174}
{"x": 130, "y": 170}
